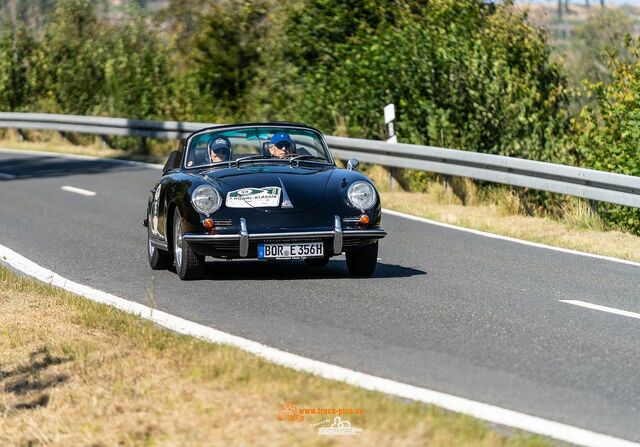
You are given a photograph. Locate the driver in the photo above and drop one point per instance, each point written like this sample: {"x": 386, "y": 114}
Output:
{"x": 220, "y": 149}
{"x": 281, "y": 145}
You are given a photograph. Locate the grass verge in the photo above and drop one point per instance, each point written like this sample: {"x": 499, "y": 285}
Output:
{"x": 499, "y": 211}
{"x": 74, "y": 372}
{"x": 575, "y": 231}
{"x": 56, "y": 144}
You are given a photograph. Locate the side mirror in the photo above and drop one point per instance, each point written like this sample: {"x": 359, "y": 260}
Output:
{"x": 172, "y": 162}
{"x": 352, "y": 164}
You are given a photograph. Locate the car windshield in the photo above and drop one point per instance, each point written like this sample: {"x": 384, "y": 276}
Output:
{"x": 256, "y": 143}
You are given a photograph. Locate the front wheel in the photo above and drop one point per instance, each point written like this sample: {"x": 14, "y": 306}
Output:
{"x": 189, "y": 265}
{"x": 363, "y": 261}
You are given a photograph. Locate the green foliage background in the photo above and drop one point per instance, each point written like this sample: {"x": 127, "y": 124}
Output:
{"x": 464, "y": 74}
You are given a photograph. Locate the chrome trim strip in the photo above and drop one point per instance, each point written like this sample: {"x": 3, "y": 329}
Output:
{"x": 227, "y": 127}
{"x": 162, "y": 245}
{"x": 286, "y": 202}
{"x": 337, "y": 235}
{"x": 244, "y": 238}
{"x": 372, "y": 233}
{"x": 294, "y": 235}
{"x": 222, "y": 223}
{"x": 210, "y": 237}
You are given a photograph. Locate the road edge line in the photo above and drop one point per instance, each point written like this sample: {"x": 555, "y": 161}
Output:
{"x": 508, "y": 238}
{"x": 483, "y": 411}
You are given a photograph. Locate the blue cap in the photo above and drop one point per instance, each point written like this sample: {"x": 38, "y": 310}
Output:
{"x": 277, "y": 138}
{"x": 219, "y": 143}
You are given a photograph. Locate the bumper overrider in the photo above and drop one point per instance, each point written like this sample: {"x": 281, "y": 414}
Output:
{"x": 244, "y": 244}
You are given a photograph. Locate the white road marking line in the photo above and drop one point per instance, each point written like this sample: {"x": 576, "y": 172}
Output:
{"x": 469, "y": 407}
{"x": 611, "y": 310}
{"x": 4, "y": 176}
{"x": 510, "y": 239}
{"x": 83, "y": 192}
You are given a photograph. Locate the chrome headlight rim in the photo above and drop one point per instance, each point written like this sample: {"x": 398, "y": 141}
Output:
{"x": 213, "y": 192}
{"x": 362, "y": 205}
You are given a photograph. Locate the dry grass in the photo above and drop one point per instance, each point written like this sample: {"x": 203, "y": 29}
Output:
{"x": 73, "y": 372}
{"x": 499, "y": 212}
{"x": 53, "y": 142}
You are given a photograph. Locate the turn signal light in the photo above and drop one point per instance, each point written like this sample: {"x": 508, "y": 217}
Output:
{"x": 208, "y": 223}
{"x": 364, "y": 219}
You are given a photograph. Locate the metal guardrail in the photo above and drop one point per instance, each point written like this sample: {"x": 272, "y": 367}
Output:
{"x": 99, "y": 125}
{"x": 579, "y": 182}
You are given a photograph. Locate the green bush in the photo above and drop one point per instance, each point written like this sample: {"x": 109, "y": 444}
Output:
{"x": 608, "y": 131}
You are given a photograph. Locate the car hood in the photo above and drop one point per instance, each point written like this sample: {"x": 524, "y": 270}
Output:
{"x": 304, "y": 186}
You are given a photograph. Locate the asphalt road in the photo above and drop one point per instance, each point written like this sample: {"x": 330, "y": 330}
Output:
{"x": 447, "y": 310}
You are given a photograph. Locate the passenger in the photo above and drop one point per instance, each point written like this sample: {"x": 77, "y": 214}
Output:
{"x": 220, "y": 149}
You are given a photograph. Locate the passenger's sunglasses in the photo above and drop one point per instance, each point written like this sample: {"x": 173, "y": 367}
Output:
{"x": 283, "y": 145}
{"x": 223, "y": 151}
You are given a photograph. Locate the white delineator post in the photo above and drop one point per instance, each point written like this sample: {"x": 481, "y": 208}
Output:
{"x": 389, "y": 118}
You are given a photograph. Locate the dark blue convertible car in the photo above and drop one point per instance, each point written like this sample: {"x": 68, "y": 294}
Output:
{"x": 268, "y": 191}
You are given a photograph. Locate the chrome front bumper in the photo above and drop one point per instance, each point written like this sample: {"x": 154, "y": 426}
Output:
{"x": 338, "y": 235}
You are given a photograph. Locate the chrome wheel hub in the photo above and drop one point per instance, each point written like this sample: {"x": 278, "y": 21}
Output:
{"x": 177, "y": 241}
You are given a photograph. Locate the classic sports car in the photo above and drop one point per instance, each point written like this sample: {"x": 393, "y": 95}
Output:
{"x": 267, "y": 191}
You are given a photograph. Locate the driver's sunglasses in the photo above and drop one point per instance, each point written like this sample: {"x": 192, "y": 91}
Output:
{"x": 283, "y": 145}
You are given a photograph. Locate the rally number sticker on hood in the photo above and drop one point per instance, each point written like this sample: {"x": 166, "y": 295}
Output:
{"x": 268, "y": 196}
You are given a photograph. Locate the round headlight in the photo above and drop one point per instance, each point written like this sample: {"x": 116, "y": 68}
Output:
{"x": 206, "y": 199}
{"x": 362, "y": 195}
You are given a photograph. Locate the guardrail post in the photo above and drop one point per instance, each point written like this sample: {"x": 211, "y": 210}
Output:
{"x": 393, "y": 183}
{"x": 105, "y": 142}
{"x": 143, "y": 145}
{"x": 447, "y": 182}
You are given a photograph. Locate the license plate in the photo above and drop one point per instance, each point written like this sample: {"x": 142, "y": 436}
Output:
{"x": 298, "y": 250}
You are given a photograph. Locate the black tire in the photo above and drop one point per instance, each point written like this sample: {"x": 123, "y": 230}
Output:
{"x": 317, "y": 262}
{"x": 363, "y": 261}
{"x": 188, "y": 264}
{"x": 158, "y": 259}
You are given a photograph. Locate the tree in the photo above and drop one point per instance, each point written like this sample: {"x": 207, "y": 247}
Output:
{"x": 462, "y": 73}
{"x": 228, "y": 51}
{"x": 602, "y": 36}
{"x": 137, "y": 81}
{"x": 71, "y": 59}
{"x": 16, "y": 52}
